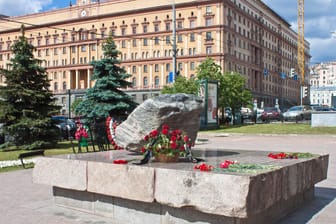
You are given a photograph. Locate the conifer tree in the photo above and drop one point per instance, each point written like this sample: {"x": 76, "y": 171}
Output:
{"x": 106, "y": 98}
{"x": 26, "y": 101}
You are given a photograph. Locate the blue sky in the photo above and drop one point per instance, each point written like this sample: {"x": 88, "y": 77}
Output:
{"x": 320, "y": 20}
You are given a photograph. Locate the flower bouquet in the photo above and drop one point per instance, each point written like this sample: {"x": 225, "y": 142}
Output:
{"x": 166, "y": 145}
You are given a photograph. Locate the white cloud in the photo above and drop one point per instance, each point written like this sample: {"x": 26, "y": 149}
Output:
{"x": 22, "y": 7}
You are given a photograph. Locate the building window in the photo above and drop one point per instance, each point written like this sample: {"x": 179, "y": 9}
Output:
{"x": 39, "y": 53}
{"x": 134, "y": 69}
{"x": 192, "y": 65}
{"x": 134, "y": 42}
{"x": 83, "y": 48}
{"x": 156, "y": 41}
{"x": 64, "y": 85}
{"x": 73, "y": 49}
{"x": 64, "y": 50}
{"x": 180, "y": 38}
{"x": 55, "y": 86}
{"x": 47, "y": 52}
{"x": 93, "y": 47}
{"x": 208, "y": 50}
{"x": 133, "y": 82}
{"x": 192, "y": 37}
{"x": 93, "y": 35}
{"x": 180, "y": 66}
{"x": 145, "y": 81}
{"x": 145, "y": 68}
{"x": 145, "y": 29}
{"x": 156, "y": 28}
{"x": 134, "y": 30}
{"x": 145, "y": 42}
{"x": 208, "y": 10}
{"x": 156, "y": 67}
{"x": 167, "y": 26}
{"x": 156, "y": 81}
{"x": 208, "y": 22}
{"x": 167, "y": 39}
{"x": 47, "y": 41}
{"x": 208, "y": 36}
{"x": 179, "y": 25}
{"x": 167, "y": 67}
{"x": 192, "y": 23}
{"x": 123, "y": 43}
{"x": 123, "y": 31}
{"x": 55, "y": 51}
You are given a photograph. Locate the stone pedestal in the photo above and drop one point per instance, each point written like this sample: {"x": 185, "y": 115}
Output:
{"x": 175, "y": 192}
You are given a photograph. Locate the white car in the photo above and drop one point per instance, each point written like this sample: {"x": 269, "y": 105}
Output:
{"x": 298, "y": 113}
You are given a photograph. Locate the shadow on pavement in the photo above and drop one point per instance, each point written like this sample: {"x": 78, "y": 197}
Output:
{"x": 323, "y": 197}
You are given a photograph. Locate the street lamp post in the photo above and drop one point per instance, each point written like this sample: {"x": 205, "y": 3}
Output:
{"x": 69, "y": 103}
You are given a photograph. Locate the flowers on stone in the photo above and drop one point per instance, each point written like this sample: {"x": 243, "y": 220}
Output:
{"x": 227, "y": 163}
{"x": 166, "y": 141}
{"x": 204, "y": 167}
{"x": 282, "y": 155}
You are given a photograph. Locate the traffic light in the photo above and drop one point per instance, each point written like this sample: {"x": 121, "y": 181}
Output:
{"x": 292, "y": 72}
{"x": 304, "y": 91}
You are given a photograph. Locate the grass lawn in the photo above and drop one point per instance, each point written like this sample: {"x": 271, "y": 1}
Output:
{"x": 276, "y": 128}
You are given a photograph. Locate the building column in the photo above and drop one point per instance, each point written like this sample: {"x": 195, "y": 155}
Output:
{"x": 88, "y": 78}
{"x": 77, "y": 78}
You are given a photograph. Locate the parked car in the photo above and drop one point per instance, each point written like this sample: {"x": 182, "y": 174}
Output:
{"x": 66, "y": 126}
{"x": 246, "y": 113}
{"x": 298, "y": 113}
{"x": 271, "y": 114}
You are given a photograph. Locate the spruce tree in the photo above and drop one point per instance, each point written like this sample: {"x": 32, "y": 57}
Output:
{"x": 26, "y": 101}
{"x": 106, "y": 97}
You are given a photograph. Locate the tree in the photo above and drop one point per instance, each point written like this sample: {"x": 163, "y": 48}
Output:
{"x": 106, "y": 97}
{"x": 26, "y": 101}
{"x": 182, "y": 85}
{"x": 234, "y": 91}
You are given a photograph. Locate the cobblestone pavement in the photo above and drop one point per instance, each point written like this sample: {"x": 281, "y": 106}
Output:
{"x": 23, "y": 202}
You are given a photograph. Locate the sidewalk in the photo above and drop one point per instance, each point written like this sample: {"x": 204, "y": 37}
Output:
{"x": 22, "y": 202}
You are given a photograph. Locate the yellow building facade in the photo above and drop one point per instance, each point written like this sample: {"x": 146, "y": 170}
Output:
{"x": 241, "y": 36}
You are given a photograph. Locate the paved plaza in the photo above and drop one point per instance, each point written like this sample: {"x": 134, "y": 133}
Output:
{"x": 22, "y": 202}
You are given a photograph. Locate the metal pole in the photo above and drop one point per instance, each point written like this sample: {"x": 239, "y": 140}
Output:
{"x": 174, "y": 42}
{"x": 69, "y": 103}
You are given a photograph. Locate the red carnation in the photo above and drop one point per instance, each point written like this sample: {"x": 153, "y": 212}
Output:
{"x": 165, "y": 131}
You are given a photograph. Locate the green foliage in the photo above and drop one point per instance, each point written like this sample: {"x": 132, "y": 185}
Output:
{"x": 27, "y": 104}
{"x": 75, "y": 103}
{"x": 182, "y": 85}
{"x": 231, "y": 86}
{"x": 106, "y": 97}
{"x": 234, "y": 91}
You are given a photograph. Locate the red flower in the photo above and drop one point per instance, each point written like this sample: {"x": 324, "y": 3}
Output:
{"x": 173, "y": 138}
{"x": 165, "y": 131}
{"x": 186, "y": 138}
{"x": 226, "y": 164}
{"x": 120, "y": 161}
{"x": 143, "y": 150}
{"x": 165, "y": 127}
{"x": 173, "y": 145}
{"x": 146, "y": 138}
{"x": 154, "y": 133}
{"x": 203, "y": 167}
